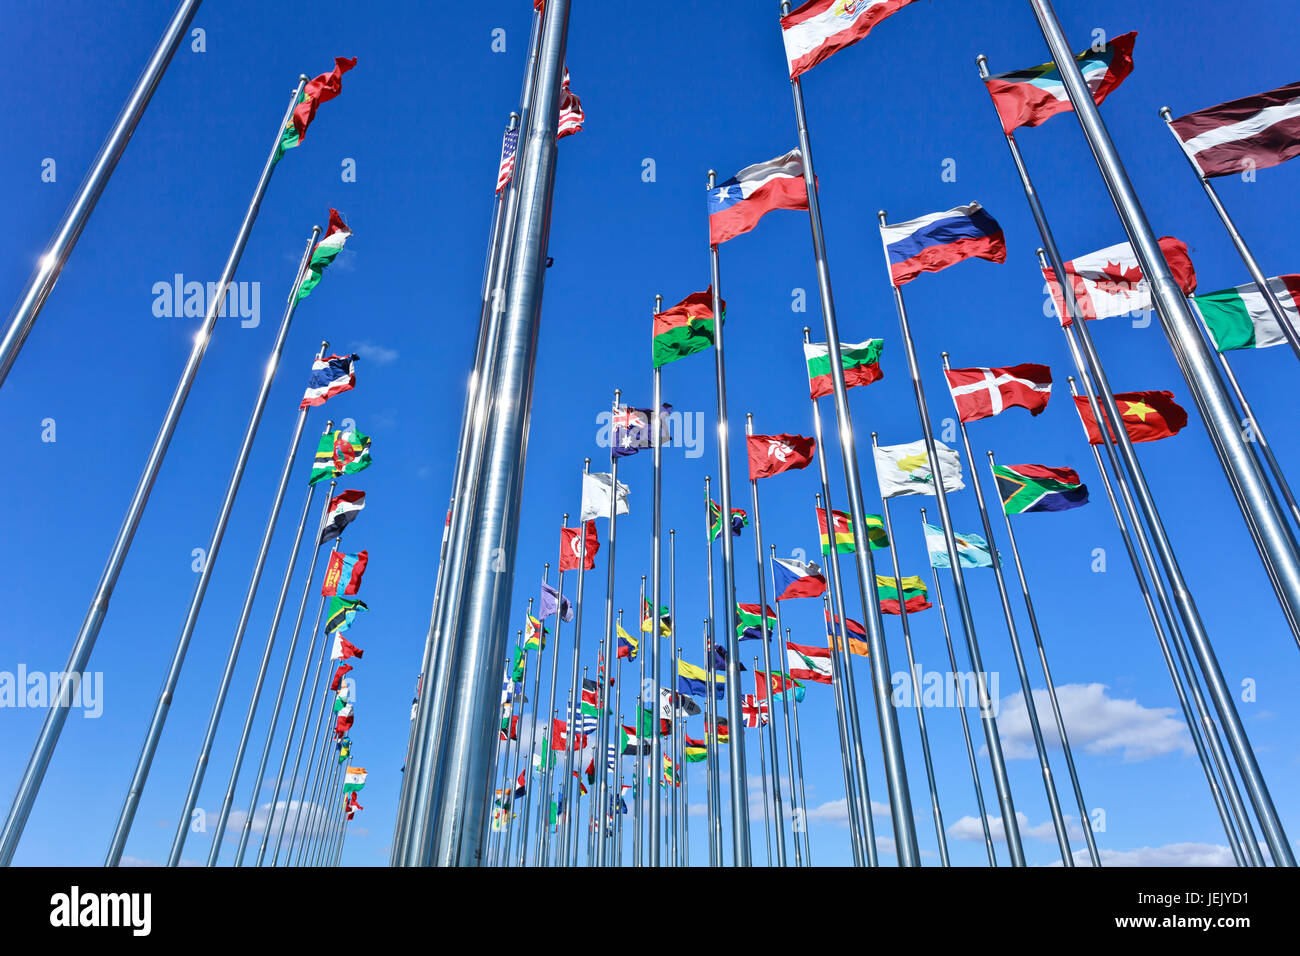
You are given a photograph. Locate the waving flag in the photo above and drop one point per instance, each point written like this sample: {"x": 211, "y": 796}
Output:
{"x": 1109, "y": 282}
{"x": 343, "y": 573}
{"x": 940, "y": 240}
{"x": 1025, "y": 488}
{"x": 797, "y": 579}
{"x": 857, "y": 635}
{"x": 550, "y": 603}
{"x": 739, "y": 519}
{"x": 984, "y": 392}
{"x": 913, "y": 594}
{"x": 648, "y": 619}
{"x": 1254, "y": 132}
{"x": 773, "y": 454}
{"x": 1033, "y": 96}
{"x": 342, "y": 649}
{"x": 509, "y": 147}
{"x": 694, "y": 680}
{"x": 860, "y": 361}
{"x": 342, "y": 511}
{"x": 972, "y": 550}
{"x": 905, "y": 469}
{"x": 752, "y": 710}
{"x": 571, "y": 115}
{"x": 354, "y": 779}
{"x": 749, "y": 618}
{"x": 684, "y": 329}
{"x": 340, "y": 452}
{"x": 736, "y": 206}
{"x": 670, "y": 701}
{"x": 342, "y": 612}
{"x": 1148, "y": 416}
{"x": 1241, "y": 319}
{"x": 322, "y": 254}
{"x": 336, "y": 683}
{"x": 694, "y": 751}
{"x": 534, "y": 634}
{"x": 632, "y": 430}
{"x": 577, "y": 548}
{"x": 808, "y": 663}
{"x": 597, "y": 489}
{"x": 778, "y": 684}
{"x": 821, "y": 28}
{"x": 627, "y": 644}
{"x": 320, "y": 90}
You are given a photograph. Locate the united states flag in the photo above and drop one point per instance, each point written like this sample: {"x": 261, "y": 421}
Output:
{"x": 509, "y": 143}
{"x": 571, "y": 115}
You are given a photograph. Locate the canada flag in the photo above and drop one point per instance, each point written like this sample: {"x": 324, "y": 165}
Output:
{"x": 773, "y": 454}
{"x": 1109, "y": 282}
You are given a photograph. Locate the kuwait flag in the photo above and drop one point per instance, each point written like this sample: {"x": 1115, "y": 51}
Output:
{"x": 1025, "y": 488}
{"x": 861, "y": 364}
{"x": 325, "y": 252}
{"x": 320, "y": 90}
{"x": 343, "y": 510}
{"x": 737, "y": 205}
{"x": 354, "y": 779}
{"x": 914, "y": 594}
{"x": 684, "y": 329}
{"x": 797, "y": 579}
{"x": 1033, "y": 96}
{"x": 820, "y": 28}
{"x": 808, "y": 663}
{"x": 984, "y": 392}
{"x": 941, "y": 239}
{"x": 1109, "y": 282}
{"x": 749, "y": 621}
{"x": 343, "y": 649}
{"x": 1254, "y": 132}
{"x": 773, "y": 454}
{"x": 1148, "y": 416}
{"x": 1241, "y": 319}
{"x": 330, "y": 376}
{"x": 343, "y": 574}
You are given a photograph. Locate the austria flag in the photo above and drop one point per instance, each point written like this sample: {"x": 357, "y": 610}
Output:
{"x": 984, "y": 392}
{"x": 342, "y": 511}
{"x": 941, "y": 239}
{"x": 737, "y": 205}
{"x": 773, "y": 454}
{"x": 330, "y": 376}
{"x": 797, "y": 579}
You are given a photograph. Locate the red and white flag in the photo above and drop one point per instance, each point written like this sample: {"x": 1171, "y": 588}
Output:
{"x": 576, "y": 548}
{"x": 773, "y": 454}
{"x": 1254, "y": 132}
{"x": 1109, "y": 282}
{"x": 808, "y": 663}
{"x": 506, "y": 171}
{"x": 752, "y": 710}
{"x": 571, "y": 115}
{"x": 820, "y": 28}
{"x": 984, "y": 392}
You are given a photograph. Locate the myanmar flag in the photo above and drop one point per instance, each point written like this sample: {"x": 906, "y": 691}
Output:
{"x": 320, "y": 90}
{"x": 844, "y": 543}
{"x": 749, "y": 622}
{"x": 684, "y": 329}
{"x": 1148, "y": 416}
{"x": 914, "y": 594}
{"x": 325, "y": 252}
{"x": 860, "y": 361}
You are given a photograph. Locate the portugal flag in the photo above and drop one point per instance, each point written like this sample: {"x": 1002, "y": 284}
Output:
{"x": 773, "y": 454}
{"x": 1148, "y": 416}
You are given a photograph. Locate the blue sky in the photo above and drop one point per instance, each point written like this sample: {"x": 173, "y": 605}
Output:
{"x": 689, "y": 86}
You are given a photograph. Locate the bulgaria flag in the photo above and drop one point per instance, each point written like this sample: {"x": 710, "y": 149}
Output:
{"x": 1025, "y": 488}
{"x": 1109, "y": 282}
{"x": 914, "y": 594}
{"x": 1254, "y": 132}
{"x": 736, "y": 206}
{"x": 354, "y": 779}
{"x": 684, "y": 329}
{"x": 861, "y": 364}
{"x": 325, "y": 252}
{"x": 822, "y": 27}
{"x": 343, "y": 574}
{"x": 749, "y": 618}
{"x": 1148, "y": 416}
{"x": 320, "y": 90}
{"x": 1241, "y": 319}
{"x": 773, "y": 454}
{"x": 808, "y": 663}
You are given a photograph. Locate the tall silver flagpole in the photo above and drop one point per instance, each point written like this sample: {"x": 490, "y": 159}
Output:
{"x": 803, "y": 797}
{"x": 678, "y": 716}
{"x": 514, "y": 748}
{"x": 711, "y": 743}
{"x": 837, "y": 678}
{"x": 777, "y": 816}
{"x": 1238, "y": 242}
{"x": 1085, "y": 821}
{"x": 311, "y": 776}
{"x": 961, "y": 709}
{"x": 798, "y": 812}
{"x": 50, "y": 265}
{"x": 163, "y": 705}
{"x": 1009, "y": 821}
{"x": 1273, "y": 537}
{"x": 539, "y": 854}
{"x": 316, "y": 780}
{"x": 656, "y": 575}
{"x": 740, "y": 836}
{"x": 762, "y": 756}
{"x": 526, "y": 764}
{"x": 710, "y": 657}
{"x": 686, "y": 794}
{"x": 57, "y": 715}
{"x": 640, "y": 716}
{"x": 914, "y": 677}
{"x": 616, "y": 850}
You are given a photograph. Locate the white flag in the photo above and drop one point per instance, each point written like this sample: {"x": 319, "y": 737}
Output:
{"x": 905, "y": 469}
{"x": 596, "y": 491}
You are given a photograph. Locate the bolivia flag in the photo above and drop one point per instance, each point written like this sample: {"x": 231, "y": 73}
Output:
{"x": 749, "y": 618}
{"x": 684, "y": 329}
{"x": 808, "y": 663}
{"x": 940, "y": 240}
{"x": 861, "y": 364}
{"x": 1148, "y": 416}
{"x": 737, "y": 205}
{"x": 914, "y": 594}
{"x": 1241, "y": 319}
{"x": 343, "y": 574}
{"x": 324, "y": 253}
{"x": 796, "y": 579}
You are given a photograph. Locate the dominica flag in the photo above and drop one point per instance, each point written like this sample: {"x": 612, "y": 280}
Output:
{"x": 739, "y": 519}
{"x": 320, "y": 90}
{"x": 1030, "y": 97}
{"x": 343, "y": 574}
{"x": 354, "y": 779}
{"x": 843, "y": 531}
{"x": 860, "y": 361}
{"x": 914, "y": 594}
{"x": 749, "y": 621}
{"x": 694, "y": 751}
{"x": 1241, "y": 319}
{"x": 1025, "y": 488}
{"x": 342, "y": 612}
{"x": 324, "y": 252}
{"x": 684, "y": 329}
{"x": 535, "y": 634}
{"x": 340, "y": 452}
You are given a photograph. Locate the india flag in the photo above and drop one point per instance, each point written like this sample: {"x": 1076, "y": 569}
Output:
{"x": 1241, "y": 319}
{"x": 325, "y": 252}
{"x": 354, "y": 779}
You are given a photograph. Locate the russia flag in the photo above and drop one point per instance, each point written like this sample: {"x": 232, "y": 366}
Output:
{"x": 795, "y": 579}
{"x": 737, "y": 205}
{"x": 941, "y": 239}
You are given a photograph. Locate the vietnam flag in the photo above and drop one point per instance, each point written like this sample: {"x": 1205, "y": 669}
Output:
{"x": 578, "y": 549}
{"x": 773, "y": 454}
{"x": 1148, "y": 416}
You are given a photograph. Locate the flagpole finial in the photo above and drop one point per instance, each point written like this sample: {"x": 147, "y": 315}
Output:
{"x": 329, "y": 425}
{"x": 513, "y": 122}
{"x": 880, "y": 214}
{"x": 982, "y": 62}
{"x": 944, "y": 354}
{"x": 990, "y": 454}
{"x": 303, "y": 77}
{"x": 659, "y": 303}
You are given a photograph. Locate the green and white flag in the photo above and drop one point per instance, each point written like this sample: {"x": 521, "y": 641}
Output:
{"x": 324, "y": 253}
{"x": 905, "y": 469}
{"x": 1241, "y": 319}
{"x": 354, "y": 779}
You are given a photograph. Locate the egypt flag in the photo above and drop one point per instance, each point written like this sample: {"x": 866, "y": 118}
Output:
{"x": 684, "y": 329}
{"x": 808, "y": 663}
{"x": 1148, "y": 416}
{"x": 1254, "y": 132}
{"x": 330, "y": 376}
{"x": 320, "y": 90}
{"x": 343, "y": 574}
{"x": 578, "y": 549}
{"x": 857, "y": 635}
{"x": 342, "y": 511}
{"x": 736, "y": 206}
{"x": 820, "y": 28}
{"x": 1033, "y": 96}
{"x": 860, "y": 361}
{"x": 343, "y": 649}
{"x": 773, "y": 454}
{"x": 797, "y": 579}
{"x": 914, "y": 594}
{"x": 1026, "y": 488}
{"x": 984, "y": 392}
{"x": 571, "y": 115}
{"x": 1240, "y": 318}
{"x": 324, "y": 252}
{"x": 1109, "y": 282}
{"x": 940, "y": 240}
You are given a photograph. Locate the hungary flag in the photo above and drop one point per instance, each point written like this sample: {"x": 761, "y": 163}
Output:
{"x": 749, "y": 622}
{"x": 1240, "y": 318}
{"x": 684, "y": 329}
{"x": 325, "y": 252}
{"x": 914, "y": 594}
{"x": 861, "y": 364}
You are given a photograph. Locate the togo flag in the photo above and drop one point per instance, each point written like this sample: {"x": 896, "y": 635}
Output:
{"x": 972, "y": 550}
{"x": 905, "y": 469}
{"x": 1241, "y": 319}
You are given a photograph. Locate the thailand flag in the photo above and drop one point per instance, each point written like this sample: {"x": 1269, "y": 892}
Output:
{"x": 941, "y": 239}
{"x": 796, "y": 579}
{"x": 737, "y": 205}
{"x": 329, "y": 376}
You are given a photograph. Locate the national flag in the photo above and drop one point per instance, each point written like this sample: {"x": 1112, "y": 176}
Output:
{"x": 684, "y": 329}
{"x": 670, "y": 773}
{"x": 941, "y": 239}
{"x": 354, "y": 779}
{"x": 736, "y": 206}
{"x": 342, "y": 649}
{"x": 860, "y": 361}
{"x": 336, "y": 683}
{"x": 1025, "y": 488}
{"x": 1148, "y": 416}
{"x": 344, "y": 748}
{"x": 671, "y": 701}
{"x": 510, "y": 727}
{"x": 694, "y": 680}
{"x": 353, "y": 805}
{"x": 631, "y": 744}
{"x": 342, "y": 612}
{"x": 983, "y": 392}
{"x": 590, "y": 705}
{"x": 842, "y": 524}
{"x": 808, "y": 663}
{"x": 778, "y": 684}
{"x": 739, "y": 519}
{"x": 320, "y": 90}
{"x": 694, "y": 751}
{"x": 857, "y": 634}
{"x": 509, "y": 147}
{"x": 534, "y": 634}
{"x": 330, "y": 376}
{"x": 560, "y": 737}
{"x": 344, "y": 721}
{"x": 550, "y": 602}
{"x": 571, "y": 115}
{"x": 597, "y": 490}
{"x": 510, "y": 690}
{"x": 322, "y": 254}
{"x": 752, "y": 710}
{"x": 627, "y": 644}
{"x": 341, "y": 512}
{"x": 972, "y": 550}
{"x": 1033, "y": 96}
{"x": 905, "y": 469}
{"x": 340, "y": 452}
{"x": 518, "y": 664}
{"x": 631, "y": 429}
{"x": 723, "y": 736}
{"x": 773, "y": 454}
{"x": 645, "y": 722}
{"x": 521, "y": 785}
{"x": 749, "y": 621}
{"x": 343, "y": 573}
{"x": 1109, "y": 282}
{"x": 577, "y": 548}
{"x": 820, "y": 28}
{"x": 914, "y": 594}
{"x": 648, "y": 619}
{"x": 720, "y": 660}
{"x": 1240, "y": 318}
{"x": 1254, "y": 132}
{"x": 797, "y": 579}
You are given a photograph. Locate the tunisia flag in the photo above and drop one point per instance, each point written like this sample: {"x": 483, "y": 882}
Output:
{"x": 984, "y": 392}
{"x": 773, "y": 454}
{"x": 1148, "y": 416}
{"x": 575, "y": 548}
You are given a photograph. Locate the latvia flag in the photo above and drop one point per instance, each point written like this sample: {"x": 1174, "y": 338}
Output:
{"x": 1109, "y": 282}
{"x": 773, "y": 454}
{"x": 808, "y": 663}
{"x": 576, "y": 549}
{"x": 1254, "y": 132}
{"x": 737, "y": 205}
{"x": 820, "y": 28}
{"x": 797, "y": 579}
{"x": 1148, "y": 416}
{"x": 984, "y": 392}
{"x": 343, "y": 510}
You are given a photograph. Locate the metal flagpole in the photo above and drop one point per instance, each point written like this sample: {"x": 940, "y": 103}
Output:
{"x": 525, "y": 764}
{"x": 403, "y": 791}
{"x": 1010, "y": 824}
{"x": 327, "y": 831}
{"x": 317, "y": 780}
{"x": 711, "y": 742}
{"x": 163, "y": 705}
{"x": 914, "y": 676}
{"x": 685, "y": 859}
{"x": 1276, "y": 544}
{"x": 798, "y": 811}
{"x": 616, "y": 664}
{"x": 777, "y": 817}
{"x": 762, "y": 756}
{"x": 837, "y": 686}
{"x": 890, "y": 738}
{"x": 514, "y": 755}
{"x": 653, "y": 725}
{"x": 711, "y": 643}
{"x": 803, "y": 797}
{"x": 961, "y": 709}
{"x": 740, "y": 836}
{"x": 1239, "y": 243}
{"x": 542, "y": 842}
{"x": 1026, "y": 687}
{"x": 678, "y": 716}
{"x": 601, "y": 795}
{"x": 1085, "y": 821}
{"x": 57, "y": 715}
{"x": 311, "y": 776}
{"x": 656, "y": 575}
{"x": 50, "y": 265}
{"x": 1204, "y": 720}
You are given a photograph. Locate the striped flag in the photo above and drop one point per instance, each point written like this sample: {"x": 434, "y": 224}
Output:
{"x": 1033, "y": 96}
{"x": 1241, "y": 319}
{"x": 736, "y": 206}
{"x": 571, "y": 115}
{"x": 506, "y": 171}
{"x": 331, "y": 375}
{"x": 821, "y": 28}
{"x": 941, "y": 239}
{"x": 1254, "y": 132}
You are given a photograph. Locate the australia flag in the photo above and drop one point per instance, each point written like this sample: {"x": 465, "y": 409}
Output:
{"x": 631, "y": 429}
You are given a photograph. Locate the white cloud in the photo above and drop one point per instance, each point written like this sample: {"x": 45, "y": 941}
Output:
{"x": 968, "y": 828}
{"x": 374, "y": 352}
{"x": 1171, "y": 854}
